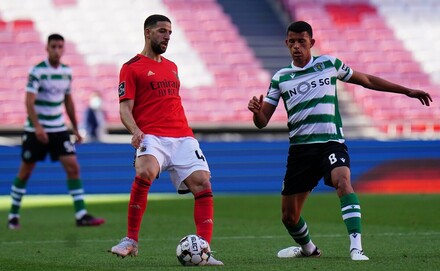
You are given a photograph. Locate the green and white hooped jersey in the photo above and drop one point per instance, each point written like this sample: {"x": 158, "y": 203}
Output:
{"x": 310, "y": 99}
{"x": 50, "y": 86}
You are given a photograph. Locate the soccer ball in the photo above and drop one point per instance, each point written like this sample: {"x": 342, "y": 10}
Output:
{"x": 193, "y": 250}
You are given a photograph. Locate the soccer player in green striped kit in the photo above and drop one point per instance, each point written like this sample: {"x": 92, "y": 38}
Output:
{"x": 45, "y": 131}
{"x": 317, "y": 150}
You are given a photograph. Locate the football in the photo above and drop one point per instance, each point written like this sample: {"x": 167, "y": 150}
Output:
{"x": 193, "y": 250}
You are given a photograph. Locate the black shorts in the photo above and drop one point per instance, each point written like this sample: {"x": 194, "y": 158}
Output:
{"x": 308, "y": 163}
{"x": 59, "y": 144}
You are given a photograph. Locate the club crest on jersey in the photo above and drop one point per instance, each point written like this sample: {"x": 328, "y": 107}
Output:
{"x": 319, "y": 67}
{"x": 121, "y": 89}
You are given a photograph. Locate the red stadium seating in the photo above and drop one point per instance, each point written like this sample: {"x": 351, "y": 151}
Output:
{"x": 372, "y": 48}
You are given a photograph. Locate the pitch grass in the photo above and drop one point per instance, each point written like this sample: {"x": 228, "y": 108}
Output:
{"x": 401, "y": 232}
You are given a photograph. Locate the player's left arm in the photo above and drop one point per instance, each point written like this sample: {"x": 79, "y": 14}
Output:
{"x": 70, "y": 110}
{"x": 380, "y": 84}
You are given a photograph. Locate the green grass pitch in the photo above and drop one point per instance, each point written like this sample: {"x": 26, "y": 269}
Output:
{"x": 400, "y": 232}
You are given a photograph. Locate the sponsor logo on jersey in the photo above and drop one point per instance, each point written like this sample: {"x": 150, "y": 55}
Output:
{"x": 150, "y": 73}
{"x": 121, "y": 89}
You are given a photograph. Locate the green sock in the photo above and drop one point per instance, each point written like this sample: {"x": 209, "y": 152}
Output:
{"x": 351, "y": 213}
{"x": 299, "y": 232}
{"x": 18, "y": 190}
{"x": 77, "y": 192}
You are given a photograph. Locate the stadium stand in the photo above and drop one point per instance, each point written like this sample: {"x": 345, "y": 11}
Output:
{"x": 217, "y": 86}
{"x": 368, "y": 28}
{"x": 227, "y": 58}
{"x": 261, "y": 25}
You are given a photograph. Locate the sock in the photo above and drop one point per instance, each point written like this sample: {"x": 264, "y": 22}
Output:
{"x": 300, "y": 233}
{"x": 351, "y": 214}
{"x": 18, "y": 190}
{"x": 77, "y": 192}
{"x": 137, "y": 206}
{"x": 204, "y": 214}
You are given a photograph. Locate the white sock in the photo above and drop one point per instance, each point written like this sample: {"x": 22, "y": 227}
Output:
{"x": 308, "y": 248}
{"x": 355, "y": 241}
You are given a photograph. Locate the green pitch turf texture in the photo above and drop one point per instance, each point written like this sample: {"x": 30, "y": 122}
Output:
{"x": 400, "y": 232}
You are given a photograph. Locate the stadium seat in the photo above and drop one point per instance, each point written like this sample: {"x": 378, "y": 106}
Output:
{"x": 22, "y": 25}
{"x": 63, "y": 3}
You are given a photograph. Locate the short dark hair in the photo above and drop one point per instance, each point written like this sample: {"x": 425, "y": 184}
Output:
{"x": 153, "y": 19}
{"x": 299, "y": 27}
{"x": 54, "y": 36}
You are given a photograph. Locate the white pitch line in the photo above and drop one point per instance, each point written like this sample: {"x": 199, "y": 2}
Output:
{"x": 69, "y": 240}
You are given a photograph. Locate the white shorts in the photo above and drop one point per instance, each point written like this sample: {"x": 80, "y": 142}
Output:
{"x": 179, "y": 156}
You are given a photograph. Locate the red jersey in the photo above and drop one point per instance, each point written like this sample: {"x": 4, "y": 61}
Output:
{"x": 154, "y": 87}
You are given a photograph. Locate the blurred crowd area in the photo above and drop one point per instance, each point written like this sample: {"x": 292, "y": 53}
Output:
{"x": 227, "y": 52}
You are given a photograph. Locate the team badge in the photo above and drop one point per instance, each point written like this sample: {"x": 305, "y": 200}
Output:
{"x": 121, "y": 89}
{"x": 319, "y": 67}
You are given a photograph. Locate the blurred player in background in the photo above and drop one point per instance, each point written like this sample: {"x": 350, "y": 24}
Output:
{"x": 93, "y": 128}
{"x": 308, "y": 90}
{"x": 151, "y": 110}
{"x": 45, "y": 131}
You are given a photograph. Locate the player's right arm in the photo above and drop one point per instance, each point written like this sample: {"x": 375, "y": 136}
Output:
{"x": 33, "y": 116}
{"x": 125, "y": 112}
{"x": 262, "y": 110}
{"x": 127, "y": 94}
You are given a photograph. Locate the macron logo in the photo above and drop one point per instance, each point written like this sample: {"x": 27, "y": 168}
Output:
{"x": 150, "y": 73}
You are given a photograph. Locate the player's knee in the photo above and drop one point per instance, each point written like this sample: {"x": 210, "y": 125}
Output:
{"x": 205, "y": 184}
{"x": 72, "y": 171}
{"x": 147, "y": 175}
{"x": 343, "y": 186}
{"x": 198, "y": 182}
{"x": 290, "y": 220}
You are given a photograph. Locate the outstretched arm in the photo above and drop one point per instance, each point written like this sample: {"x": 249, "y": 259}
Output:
{"x": 262, "y": 111}
{"x": 377, "y": 83}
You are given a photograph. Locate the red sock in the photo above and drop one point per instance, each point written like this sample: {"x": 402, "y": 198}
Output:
{"x": 137, "y": 206}
{"x": 204, "y": 213}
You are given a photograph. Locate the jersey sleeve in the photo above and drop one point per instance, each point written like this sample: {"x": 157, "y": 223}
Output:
{"x": 274, "y": 93}
{"x": 69, "y": 87}
{"x": 127, "y": 83}
{"x": 344, "y": 72}
{"x": 33, "y": 83}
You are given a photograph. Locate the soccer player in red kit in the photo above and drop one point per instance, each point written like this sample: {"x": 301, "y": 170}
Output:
{"x": 151, "y": 110}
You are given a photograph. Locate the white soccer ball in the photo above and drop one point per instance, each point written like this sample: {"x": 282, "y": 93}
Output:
{"x": 193, "y": 250}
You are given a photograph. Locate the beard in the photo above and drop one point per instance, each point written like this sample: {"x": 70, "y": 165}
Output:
{"x": 157, "y": 48}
